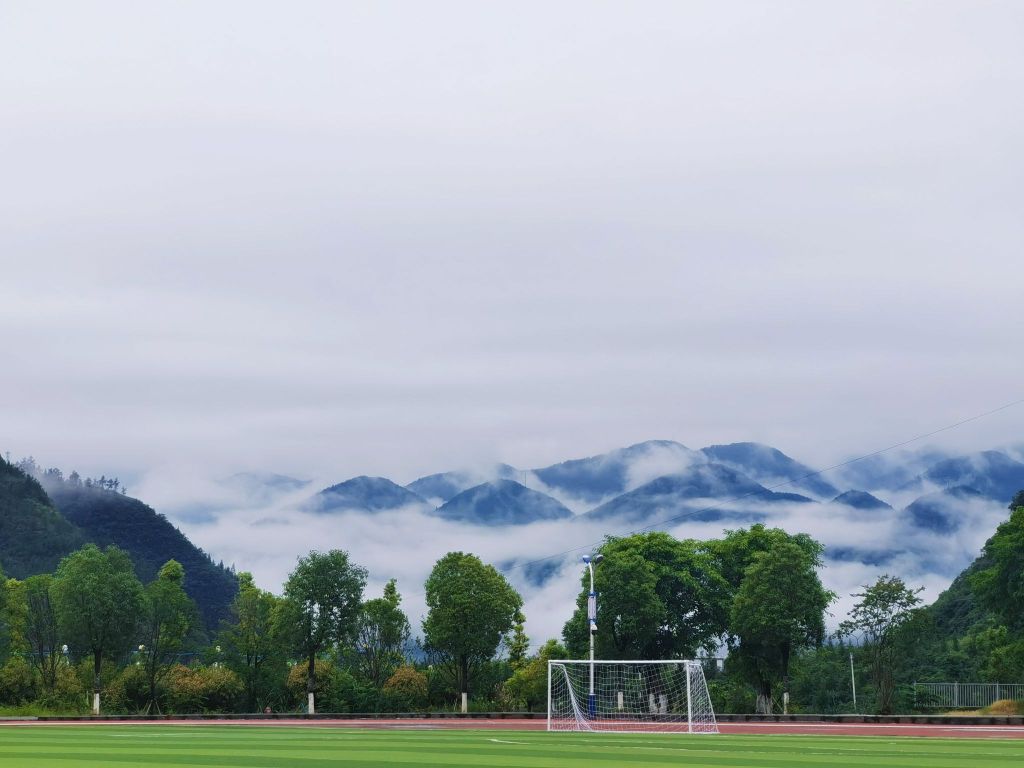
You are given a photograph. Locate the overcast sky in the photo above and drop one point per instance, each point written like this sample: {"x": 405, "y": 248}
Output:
{"x": 332, "y": 238}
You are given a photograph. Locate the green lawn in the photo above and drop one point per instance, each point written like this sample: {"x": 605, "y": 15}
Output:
{"x": 282, "y": 747}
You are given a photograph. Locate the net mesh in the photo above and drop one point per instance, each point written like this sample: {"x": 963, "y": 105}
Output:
{"x": 637, "y": 697}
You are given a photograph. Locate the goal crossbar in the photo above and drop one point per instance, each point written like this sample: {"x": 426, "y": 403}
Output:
{"x": 628, "y": 696}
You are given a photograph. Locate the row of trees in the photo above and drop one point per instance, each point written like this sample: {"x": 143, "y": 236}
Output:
{"x": 93, "y": 620}
{"x": 755, "y": 593}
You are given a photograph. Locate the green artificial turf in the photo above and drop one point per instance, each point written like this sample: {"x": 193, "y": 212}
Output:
{"x": 285, "y": 747}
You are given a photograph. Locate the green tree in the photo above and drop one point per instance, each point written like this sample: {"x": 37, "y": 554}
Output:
{"x": 518, "y": 643}
{"x": 383, "y": 633}
{"x": 168, "y": 616}
{"x": 251, "y": 641}
{"x": 98, "y": 600}
{"x": 1018, "y": 500}
{"x": 42, "y": 632}
{"x": 883, "y": 609}
{"x": 734, "y": 553}
{"x": 470, "y": 609}
{"x": 4, "y": 620}
{"x": 658, "y": 598}
{"x": 778, "y": 609}
{"x": 528, "y": 685}
{"x": 321, "y": 609}
{"x": 1000, "y": 585}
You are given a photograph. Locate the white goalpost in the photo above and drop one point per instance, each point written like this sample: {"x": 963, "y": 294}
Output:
{"x": 629, "y": 697}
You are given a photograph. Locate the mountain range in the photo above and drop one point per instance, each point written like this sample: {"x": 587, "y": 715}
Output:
{"x": 663, "y": 478}
{"x": 872, "y": 512}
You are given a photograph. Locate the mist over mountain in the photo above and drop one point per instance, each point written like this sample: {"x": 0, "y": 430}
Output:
{"x": 942, "y": 511}
{"x": 502, "y": 502}
{"x": 439, "y": 488}
{"x": 598, "y": 478}
{"x": 702, "y": 492}
{"x": 43, "y": 519}
{"x": 860, "y": 500}
{"x": 990, "y": 473}
{"x": 770, "y": 466}
{"x": 370, "y": 494}
{"x": 536, "y": 523}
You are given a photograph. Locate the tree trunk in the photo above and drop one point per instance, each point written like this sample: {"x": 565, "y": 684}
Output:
{"x": 764, "y": 698}
{"x": 311, "y": 684}
{"x": 97, "y": 665}
{"x": 785, "y": 678}
{"x": 464, "y": 675}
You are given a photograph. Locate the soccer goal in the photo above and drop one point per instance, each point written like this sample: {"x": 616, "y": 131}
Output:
{"x": 629, "y": 697}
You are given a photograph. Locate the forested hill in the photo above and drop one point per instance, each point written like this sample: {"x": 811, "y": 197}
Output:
{"x": 959, "y": 610}
{"x": 34, "y": 536}
{"x": 40, "y": 522}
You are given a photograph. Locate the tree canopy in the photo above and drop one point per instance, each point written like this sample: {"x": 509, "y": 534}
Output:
{"x": 1000, "y": 586}
{"x": 383, "y": 633}
{"x": 884, "y": 607}
{"x": 251, "y": 640}
{"x": 98, "y": 600}
{"x": 168, "y": 615}
{"x": 778, "y": 609}
{"x": 658, "y": 598}
{"x": 322, "y": 600}
{"x": 470, "y": 609}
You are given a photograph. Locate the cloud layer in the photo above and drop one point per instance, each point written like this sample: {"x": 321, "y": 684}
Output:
{"x": 378, "y": 239}
{"x": 266, "y": 535}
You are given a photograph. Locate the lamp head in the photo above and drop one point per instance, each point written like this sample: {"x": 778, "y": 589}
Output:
{"x": 597, "y": 559}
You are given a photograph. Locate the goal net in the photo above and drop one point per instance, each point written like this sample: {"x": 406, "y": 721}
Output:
{"x": 629, "y": 697}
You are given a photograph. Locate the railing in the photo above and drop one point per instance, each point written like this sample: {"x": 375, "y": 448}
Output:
{"x": 964, "y": 695}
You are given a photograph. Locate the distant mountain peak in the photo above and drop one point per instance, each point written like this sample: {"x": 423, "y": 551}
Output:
{"x": 442, "y": 486}
{"x": 372, "y": 494}
{"x": 771, "y": 467}
{"x": 502, "y": 502}
{"x": 942, "y": 511}
{"x": 991, "y": 473}
{"x": 595, "y": 479}
{"x": 860, "y": 500}
{"x": 703, "y": 492}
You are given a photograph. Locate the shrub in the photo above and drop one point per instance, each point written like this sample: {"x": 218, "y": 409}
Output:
{"x": 129, "y": 691}
{"x": 1005, "y": 707}
{"x": 336, "y": 689}
{"x": 405, "y": 691}
{"x": 67, "y": 693}
{"x": 17, "y": 683}
{"x": 202, "y": 689}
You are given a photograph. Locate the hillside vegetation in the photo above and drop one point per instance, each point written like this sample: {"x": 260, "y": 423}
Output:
{"x": 44, "y": 519}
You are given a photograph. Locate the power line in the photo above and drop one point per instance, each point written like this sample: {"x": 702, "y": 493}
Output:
{"x": 720, "y": 504}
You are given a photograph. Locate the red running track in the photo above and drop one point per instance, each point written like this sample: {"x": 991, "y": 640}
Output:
{"x": 432, "y": 724}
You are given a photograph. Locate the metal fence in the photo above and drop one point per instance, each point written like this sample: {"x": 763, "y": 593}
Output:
{"x": 964, "y": 695}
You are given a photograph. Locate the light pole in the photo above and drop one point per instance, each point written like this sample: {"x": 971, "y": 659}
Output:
{"x": 592, "y": 617}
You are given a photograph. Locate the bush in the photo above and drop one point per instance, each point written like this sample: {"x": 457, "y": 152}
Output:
{"x": 128, "y": 692}
{"x": 1005, "y": 707}
{"x": 17, "y": 682}
{"x": 67, "y": 693}
{"x": 336, "y": 689}
{"x": 731, "y": 694}
{"x": 405, "y": 691}
{"x": 202, "y": 689}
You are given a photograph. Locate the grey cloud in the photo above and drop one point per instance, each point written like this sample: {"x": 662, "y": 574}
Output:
{"x": 389, "y": 239}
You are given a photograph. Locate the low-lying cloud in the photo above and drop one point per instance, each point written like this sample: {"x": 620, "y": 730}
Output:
{"x": 267, "y": 538}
